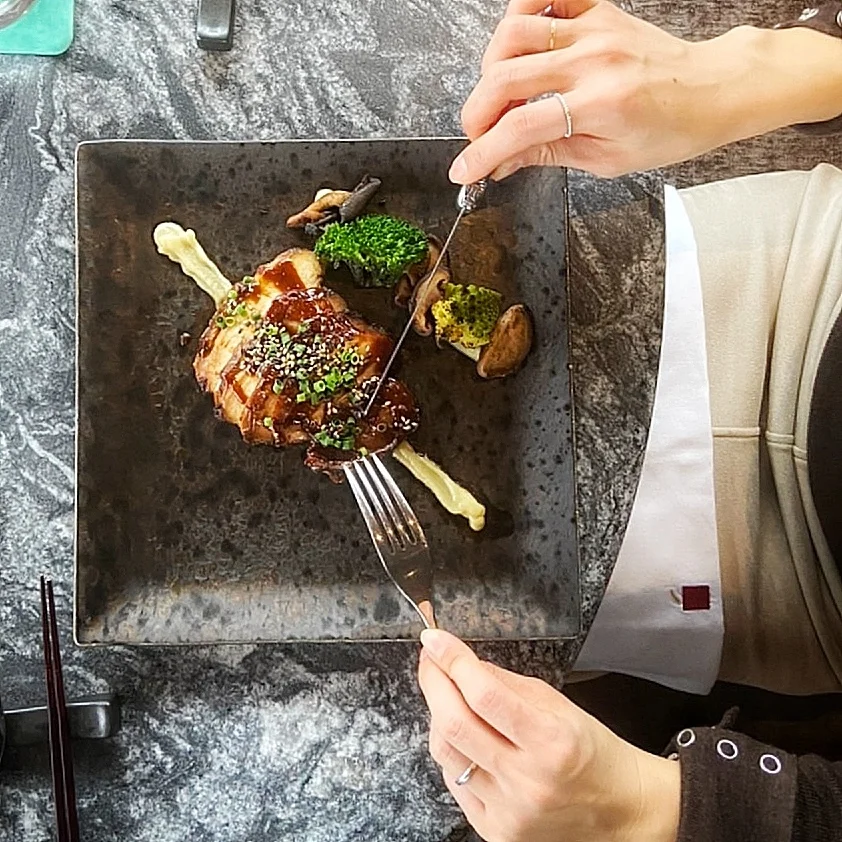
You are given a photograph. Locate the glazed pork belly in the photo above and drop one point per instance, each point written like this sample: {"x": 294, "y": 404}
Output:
{"x": 289, "y": 364}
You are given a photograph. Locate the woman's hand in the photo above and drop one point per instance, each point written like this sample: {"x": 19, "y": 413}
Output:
{"x": 638, "y": 96}
{"x": 547, "y": 771}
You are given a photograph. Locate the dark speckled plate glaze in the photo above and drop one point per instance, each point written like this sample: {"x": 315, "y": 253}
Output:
{"x": 185, "y": 534}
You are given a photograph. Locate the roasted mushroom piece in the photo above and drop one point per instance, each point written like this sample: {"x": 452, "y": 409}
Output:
{"x": 360, "y": 196}
{"x": 324, "y": 206}
{"x": 428, "y": 292}
{"x": 335, "y": 206}
{"x": 408, "y": 282}
{"x": 510, "y": 342}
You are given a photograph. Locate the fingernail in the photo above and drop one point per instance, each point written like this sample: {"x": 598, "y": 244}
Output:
{"x": 458, "y": 170}
{"x": 434, "y": 641}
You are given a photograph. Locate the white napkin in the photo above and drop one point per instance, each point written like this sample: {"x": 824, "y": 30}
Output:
{"x": 642, "y": 627}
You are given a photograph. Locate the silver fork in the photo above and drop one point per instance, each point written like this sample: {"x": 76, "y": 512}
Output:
{"x": 396, "y": 533}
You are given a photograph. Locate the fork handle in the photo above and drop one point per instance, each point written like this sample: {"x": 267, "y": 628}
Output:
{"x": 428, "y": 614}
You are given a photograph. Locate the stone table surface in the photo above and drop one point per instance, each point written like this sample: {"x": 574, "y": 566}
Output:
{"x": 236, "y": 743}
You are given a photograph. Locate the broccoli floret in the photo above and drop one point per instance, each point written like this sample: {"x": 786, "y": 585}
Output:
{"x": 466, "y": 315}
{"x": 377, "y": 249}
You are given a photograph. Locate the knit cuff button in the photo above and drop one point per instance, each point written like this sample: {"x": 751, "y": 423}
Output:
{"x": 686, "y": 738}
{"x": 770, "y": 764}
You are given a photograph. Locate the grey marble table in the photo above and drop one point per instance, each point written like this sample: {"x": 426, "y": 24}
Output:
{"x": 236, "y": 743}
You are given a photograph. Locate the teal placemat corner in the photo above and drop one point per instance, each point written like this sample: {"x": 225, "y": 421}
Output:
{"x": 45, "y": 29}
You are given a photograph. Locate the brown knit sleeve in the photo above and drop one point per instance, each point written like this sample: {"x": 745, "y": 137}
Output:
{"x": 733, "y": 788}
{"x": 826, "y": 18}
{"x": 818, "y": 802}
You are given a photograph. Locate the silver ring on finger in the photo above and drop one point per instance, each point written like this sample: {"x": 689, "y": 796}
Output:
{"x": 466, "y": 775}
{"x": 567, "y": 115}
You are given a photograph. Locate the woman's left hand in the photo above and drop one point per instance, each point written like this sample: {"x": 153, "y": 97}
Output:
{"x": 547, "y": 771}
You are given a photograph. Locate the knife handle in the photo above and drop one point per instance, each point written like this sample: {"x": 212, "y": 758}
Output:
{"x": 215, "y": 24}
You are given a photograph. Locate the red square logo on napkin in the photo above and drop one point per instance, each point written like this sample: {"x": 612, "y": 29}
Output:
{"x": 695, "y": 598}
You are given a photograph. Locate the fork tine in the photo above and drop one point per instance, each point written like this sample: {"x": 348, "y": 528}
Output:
{"x": 378, "y": 505}
{"x": 409, "y": 517}
{"x": 385, "y": 493}
{"x": 372, "y": 522}
{"x": 396, "y": 533}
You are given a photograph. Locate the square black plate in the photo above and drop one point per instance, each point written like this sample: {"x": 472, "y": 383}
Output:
{"x": 185, "y": 534}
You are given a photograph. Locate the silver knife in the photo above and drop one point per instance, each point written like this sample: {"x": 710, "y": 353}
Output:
{"x": 467, "y": 201}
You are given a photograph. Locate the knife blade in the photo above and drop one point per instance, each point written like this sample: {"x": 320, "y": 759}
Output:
{"x": 467, "y": 201}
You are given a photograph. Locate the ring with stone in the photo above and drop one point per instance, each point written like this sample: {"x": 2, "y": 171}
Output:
{"x": 567, "y": 115}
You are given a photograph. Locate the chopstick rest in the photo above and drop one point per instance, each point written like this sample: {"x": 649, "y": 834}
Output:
{"x": 215, "y": 24}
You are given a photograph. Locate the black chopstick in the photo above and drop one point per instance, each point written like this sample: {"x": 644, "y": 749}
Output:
{"x": 61, "y": 755}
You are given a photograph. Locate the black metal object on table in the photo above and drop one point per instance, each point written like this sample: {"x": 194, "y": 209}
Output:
{"x": 215, "y": 25}
{"x": 92, "y": 717}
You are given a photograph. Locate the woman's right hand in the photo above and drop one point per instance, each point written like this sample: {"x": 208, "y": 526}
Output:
{"x": 545, "y": 771}
{"x": 638, "y": 97}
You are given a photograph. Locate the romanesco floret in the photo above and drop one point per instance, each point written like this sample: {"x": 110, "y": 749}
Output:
{"x": 377, "y": 248}
{"x": 467, "y": 314}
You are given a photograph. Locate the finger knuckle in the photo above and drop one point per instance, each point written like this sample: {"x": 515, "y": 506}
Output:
{"x": 520, "y": 122}
{"x": 500, "y": 76}
{"x": 624, "y": 94}
{"x": 454, "y": 729}
{"x": 541, "y": 798}
{"x": 487, "y": 702}
{"x": 496, "y": 761}
{"x": 563, "y": 757}
{"x": 440, "y": 750}
{"x": 605, "y": 49}
{"x": 512, "y": 29}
